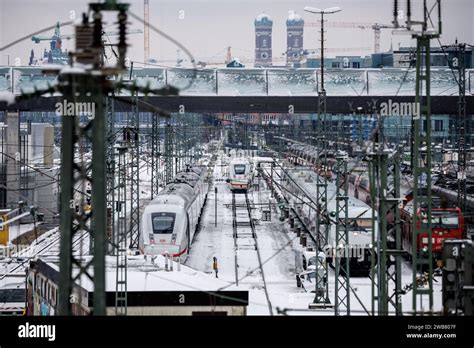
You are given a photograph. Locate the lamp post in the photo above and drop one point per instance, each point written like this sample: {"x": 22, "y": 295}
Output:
{"x": 314, "y": 10}
{"x": 321, "y": 298}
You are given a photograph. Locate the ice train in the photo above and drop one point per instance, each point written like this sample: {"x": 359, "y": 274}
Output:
{"x": 170, "y": 220}
{"x": 240, "y": 174}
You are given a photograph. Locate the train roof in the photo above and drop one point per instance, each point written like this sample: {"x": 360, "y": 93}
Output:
{"x": 436, "y": 204}
{"x": 199, "y": 169}
{"x": 181, "y": 191}
{"x": 239, "y": 160}
{"x": 175, "y": 193}
{"x": 307, "y": 181}
{"x": 190, "y": 178}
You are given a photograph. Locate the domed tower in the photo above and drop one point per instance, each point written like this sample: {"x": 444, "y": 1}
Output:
{"x": 263, "y": 41}
{"x": 294, "y": 38}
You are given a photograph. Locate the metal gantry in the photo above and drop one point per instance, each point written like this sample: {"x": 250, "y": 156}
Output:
{"x": 321, "y": 187}
{"x": 120, "y": 222}
{"x": 110, "y": 163}
{"x": 155, "y": 155}
{"x": 341, "y": 247}
{"x": 169, "y": 153}
{"x": 385, "y": 196}
{"x": 88, "y": 86}
{"x": 74, "y": 177}
{"x": 322, "y": 220}
{"x": 422, "y": 258}
{"x": 394, "y": 270}
{"x": 463, "y": 126}
{"x": 134, "y": 178}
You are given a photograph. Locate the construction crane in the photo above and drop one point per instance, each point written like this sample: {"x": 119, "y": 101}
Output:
{"x": 376, "y": 27}
{"x": 56, "y": 54}
{"x": 57, "y": 37}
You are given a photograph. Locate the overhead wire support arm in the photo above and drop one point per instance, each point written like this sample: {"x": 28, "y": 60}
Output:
{"x": 422, "y": 248}
{"x": 86, "y": 85}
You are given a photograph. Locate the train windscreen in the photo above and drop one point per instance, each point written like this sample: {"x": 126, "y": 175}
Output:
{"x": 12, "y": 295}
{"x": 444, "y": 219}
{"x": 239, "y": 169}
{"x": 163, "y": 222}
{"x": 312, "y": 261}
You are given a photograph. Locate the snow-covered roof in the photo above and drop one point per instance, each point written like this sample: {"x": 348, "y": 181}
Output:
{"x": 294, "y": 19}
{"x": 263, "y": 20}
{"x": 7, "y": 97}
{"x": 145, "y": 274}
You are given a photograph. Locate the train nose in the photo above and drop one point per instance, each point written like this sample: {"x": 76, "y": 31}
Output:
{"x": 162, "y": 249}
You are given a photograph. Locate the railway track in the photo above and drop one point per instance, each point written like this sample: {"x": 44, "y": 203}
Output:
{"x": 246, "y": 242}
{"x": 278, "y": 187}
{"x": 47, "y": 245}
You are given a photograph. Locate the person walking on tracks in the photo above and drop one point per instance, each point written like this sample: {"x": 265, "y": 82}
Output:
{"x": 214, "y": 265}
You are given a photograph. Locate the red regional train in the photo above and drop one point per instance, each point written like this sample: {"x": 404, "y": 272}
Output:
{"x": 447, "y": 223}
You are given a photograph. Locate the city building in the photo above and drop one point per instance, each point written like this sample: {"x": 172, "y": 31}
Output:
{"x": 440, "y": 57}
{"x": 338, "y": 62}
{"x": 294, "y": 39}
{"x": 382, "y": 60}
{"x": 235, "y": 63}
{"x": 263, "y": 41}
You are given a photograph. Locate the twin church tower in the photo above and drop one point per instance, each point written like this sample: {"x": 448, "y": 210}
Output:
{"x": 263, "y": 39}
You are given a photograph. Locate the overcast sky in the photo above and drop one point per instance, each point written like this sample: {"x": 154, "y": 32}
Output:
{"x": 207, "y": 27}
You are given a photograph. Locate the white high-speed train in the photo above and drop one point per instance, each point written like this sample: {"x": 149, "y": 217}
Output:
{"x": 170, "y": 220}
{"x": 240, "y": 174}
{"x": 359, "y": 215}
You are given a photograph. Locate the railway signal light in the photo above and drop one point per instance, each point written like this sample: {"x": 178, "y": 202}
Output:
{"x": 458, "y": 277}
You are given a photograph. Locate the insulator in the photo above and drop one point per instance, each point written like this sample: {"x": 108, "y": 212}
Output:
{"x": 86, "y": 53}
{"x": 122, "y": 44}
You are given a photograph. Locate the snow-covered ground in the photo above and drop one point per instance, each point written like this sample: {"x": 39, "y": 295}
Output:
{"x": 279, "y": 249}
{"x": 16, "y": 230}
{"x": 280, "y": 252}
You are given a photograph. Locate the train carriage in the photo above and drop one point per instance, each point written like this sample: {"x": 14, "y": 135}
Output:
{"x": 170, "y": 220}
{"x": 446, "y": 223}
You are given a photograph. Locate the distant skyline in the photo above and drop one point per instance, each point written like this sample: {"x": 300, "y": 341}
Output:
{"x": 207, "y": 27}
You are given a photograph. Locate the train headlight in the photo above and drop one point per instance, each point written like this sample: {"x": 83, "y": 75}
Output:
{"x": 152, "y": 238}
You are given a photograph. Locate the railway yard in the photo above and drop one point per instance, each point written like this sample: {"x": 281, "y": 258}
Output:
{"x": 310, "y": 184}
